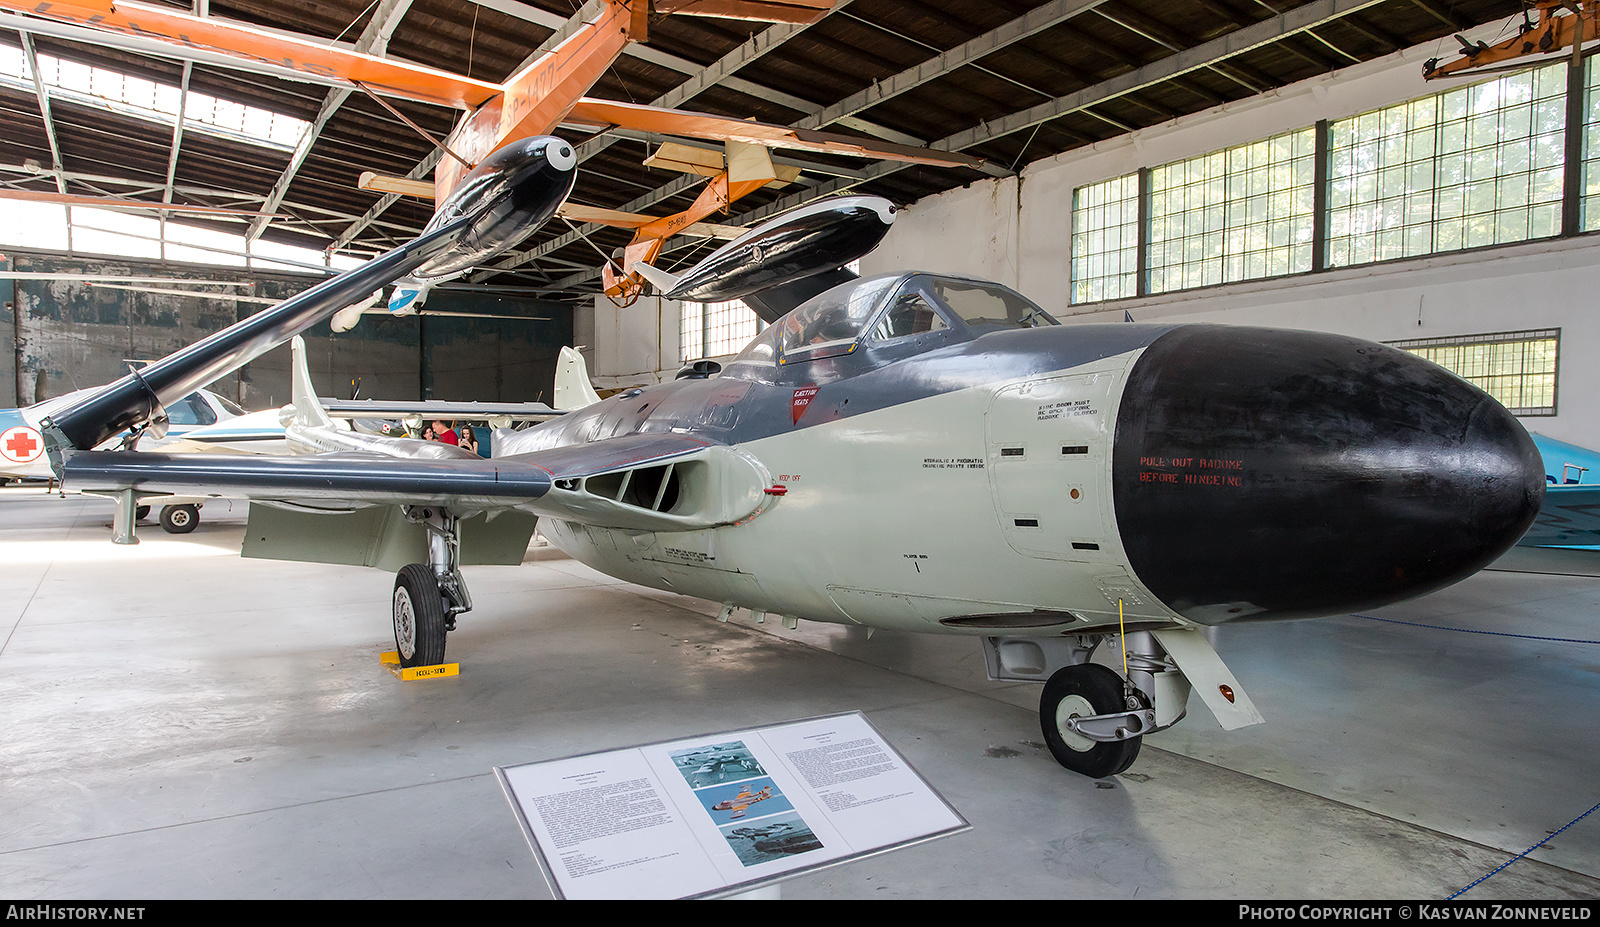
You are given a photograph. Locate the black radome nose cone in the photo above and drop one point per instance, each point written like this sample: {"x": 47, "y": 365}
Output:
{"x": 1264, "y": 474}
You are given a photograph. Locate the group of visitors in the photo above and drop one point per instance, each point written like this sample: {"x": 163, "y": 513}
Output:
{"x": 466, "y": 436}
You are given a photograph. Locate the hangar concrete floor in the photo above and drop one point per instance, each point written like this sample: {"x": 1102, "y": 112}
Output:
{"x": 178, "y": 723}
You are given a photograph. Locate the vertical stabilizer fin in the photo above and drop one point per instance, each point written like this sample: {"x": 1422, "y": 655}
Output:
{"x": 304, "y": 408}
{"x": 573, "y": 389}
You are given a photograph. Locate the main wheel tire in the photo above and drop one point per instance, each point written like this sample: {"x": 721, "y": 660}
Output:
{"x": 419, "y": 616}
{"x": 179, "y": 519}
{"x": 141, "y": 512}
{"x": 1079, "y": 691}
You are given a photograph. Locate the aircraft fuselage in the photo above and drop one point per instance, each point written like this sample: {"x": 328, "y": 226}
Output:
{"x": 1032, "y": 479}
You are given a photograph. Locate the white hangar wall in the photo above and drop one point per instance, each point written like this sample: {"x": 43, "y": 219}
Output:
{"x": 1016, "y": 231}
{"x": 626, "y": 346}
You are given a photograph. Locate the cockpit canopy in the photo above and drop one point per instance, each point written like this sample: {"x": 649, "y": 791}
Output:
{"x": 875, "y": 311}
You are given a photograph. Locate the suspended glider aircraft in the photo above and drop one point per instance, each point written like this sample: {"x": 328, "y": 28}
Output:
{"x": 1563, "y": 26}
{"x": 918, "y": 452}
{"x": 547, "y": 93}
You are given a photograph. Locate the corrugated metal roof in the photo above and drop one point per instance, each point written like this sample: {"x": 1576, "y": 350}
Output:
{"x": 1012, "y": 82}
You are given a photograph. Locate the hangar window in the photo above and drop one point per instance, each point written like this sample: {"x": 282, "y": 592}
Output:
{"x": 1105, "y": 240}
{"x": 715, "y": 329}
{"x": 1242, "y": 213}
{"x": 1517, "y": 368}
{"x": 720, "y": 329}
{"x": 1589, "y": 186}
{"x": 1469, "y": 167}
{"x": 144, "y": 99}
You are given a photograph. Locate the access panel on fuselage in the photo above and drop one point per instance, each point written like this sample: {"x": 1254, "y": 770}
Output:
{"x": 1048, "y": 445}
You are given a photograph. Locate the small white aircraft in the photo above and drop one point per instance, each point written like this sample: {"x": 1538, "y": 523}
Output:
{"x": 201, "y": 414}
{"x": 912, "y": 451}
{"x": 22, "y": 454}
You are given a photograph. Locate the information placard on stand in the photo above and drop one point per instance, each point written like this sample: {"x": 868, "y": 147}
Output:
{"x": 722, "y": 814}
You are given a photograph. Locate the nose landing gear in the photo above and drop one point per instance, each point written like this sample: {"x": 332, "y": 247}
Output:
{"x": 1104, "y": 691}
{"x": 1093, "y": 723}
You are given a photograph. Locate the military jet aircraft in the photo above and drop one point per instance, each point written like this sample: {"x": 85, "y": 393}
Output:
{"x": 915, "y": 451}
{"x": 740, "y": 804}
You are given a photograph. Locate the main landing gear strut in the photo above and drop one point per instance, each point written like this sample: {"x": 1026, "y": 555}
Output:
{"x": 429, "y": 596}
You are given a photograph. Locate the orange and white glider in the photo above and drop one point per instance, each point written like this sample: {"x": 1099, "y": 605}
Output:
{"x": 534, "y": 101}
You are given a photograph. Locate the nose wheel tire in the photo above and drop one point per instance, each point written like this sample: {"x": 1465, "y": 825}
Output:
{"x": 1079, "y": 691}
{"x": 179, "y": 519}
{"x": 419, "y": 616}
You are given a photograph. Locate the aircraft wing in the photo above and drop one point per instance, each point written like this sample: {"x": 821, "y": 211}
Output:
{"x": 435, "y": 409}
{"x": 1569, "y": 517}
{"x": 266, "y": 49}
{"x": 602, "y": 114}
{"x": 644, "y": 482}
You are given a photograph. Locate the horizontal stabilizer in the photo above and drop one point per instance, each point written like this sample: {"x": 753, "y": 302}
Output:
{"x": 658, "y": 278}
{"x": 1568, "y": 517}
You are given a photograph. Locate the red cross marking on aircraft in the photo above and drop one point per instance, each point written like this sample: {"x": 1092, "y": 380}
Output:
{"x": 22, "y": 444}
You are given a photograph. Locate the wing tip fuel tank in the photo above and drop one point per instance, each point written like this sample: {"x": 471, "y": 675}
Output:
{"x": 500, "y": 203}
{"x": 813, "y": 239}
